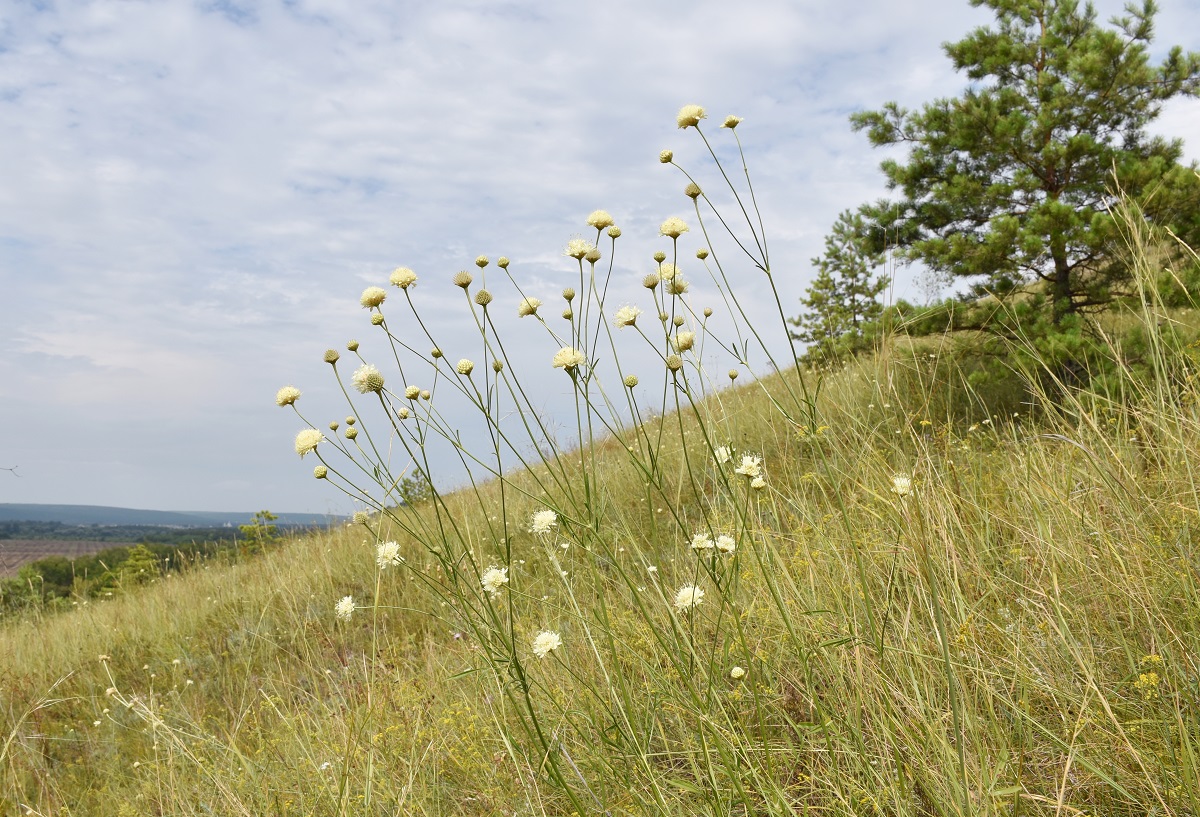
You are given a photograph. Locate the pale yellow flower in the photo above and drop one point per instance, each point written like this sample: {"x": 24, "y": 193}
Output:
{"x": 673, "y": 227}
{"x": 546, "y": 642}
{"x": 902, "y": 485}
{"x": 577, "y": 248}
{"x": 731, "y": 122}
{"x": 751, "y": 466}
{"x": 600, "y": 219}
{"x": 387, "y": 554}
{"x": 737, "y": 673}
{"x": 308, "y": 440}
{"x": 689, "y": 116}
{"x": 626, "y": 316}
{"x": 543, "y": 522}
{"x": 465, "y": 367}
{"x": 344, "y": 609}
{"x": 372, "y": 297}
{"x": 666, "y": 156}
{"x": 287, "y": 396}
{"x": 568, "y": 359}
{"x": 403, "y": 277}
{"x": 493, "y": 579}
{"x": 702, "y": 541}
{"x": 687, "y": 597}
{"x": 683, "y": 341}
{"x": 367, "y": 378}
{"x": 726, "y": 544}
{"x": 528, "y": 306}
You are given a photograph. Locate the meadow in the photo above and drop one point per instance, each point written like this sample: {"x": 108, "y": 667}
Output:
{"x": 857, "y": 590}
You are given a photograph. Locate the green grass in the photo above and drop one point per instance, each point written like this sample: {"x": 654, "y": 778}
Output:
{"x": 1016, "y": 635}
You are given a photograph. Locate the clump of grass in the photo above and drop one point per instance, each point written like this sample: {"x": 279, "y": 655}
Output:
{"x": 810, "y": 593}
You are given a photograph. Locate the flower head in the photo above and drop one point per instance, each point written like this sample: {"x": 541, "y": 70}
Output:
{"x": 593, "y": 255}
{"x": 493, "y": 579}
{"x": 683, "y": 341}
{"x": 344, "y": 609}
{"x": 367, "y": 378}
{"x": 321, "y": 472}
{"x": 722, "y": 454}
{"x": 702, "y": 541}
{"x": 690, "y": 115}
{"x": 758, "y": 483}
{"x": 528, "y": 306}
{"x": 673, "y": 227}
{"x": 543, "y": 522}
{"x": 666, "y": 156}
{"x": 751, "y": 466}
{"x": 688, "y": 597}
{"x": 568, "y": 358}
{"x": 481, "y": 261}
{"x": 614, "y": 232}
{"x": 737, "y": 673}
{"x": 372, "y": 297}
{"x": 483, "y": 297}
{"x": 726, "y": 544}
{"x": 626, "y": 316}
{"x": 387, "y": 554}
{"x": 361, "y": 518}
{"x": 674, "y": 362}
{"x": 631, "y": 381}
{"x": 412, "y": 392}
{"x": 308, "y": 440}
{"x": 403, "y": 277}
{"x": 287, "y": 396}
{"x": 692, "y": 191}
{"x": 577, "y": 248}
{"x": 902, "y": 485}
{"x": 546, "y": 642}
{"x": 462, "y": 279}
{"x": 465, "y": 367}
{"x": 731, "y": 122}
{"x": 600, "y": 219}
{"x": 668, "y": 271}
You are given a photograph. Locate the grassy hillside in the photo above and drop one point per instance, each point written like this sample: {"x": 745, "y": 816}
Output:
{"x": 852, "y": 592}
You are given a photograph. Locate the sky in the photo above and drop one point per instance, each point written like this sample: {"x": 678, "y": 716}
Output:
{"x": 193, "y": 195}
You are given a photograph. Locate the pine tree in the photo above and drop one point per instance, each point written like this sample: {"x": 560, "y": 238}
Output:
{"x": 1009, "y": 184}
{"x": 843, "y": 300}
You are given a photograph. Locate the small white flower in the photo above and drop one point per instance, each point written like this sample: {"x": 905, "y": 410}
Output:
{"x": 758, "y": 483}
{"x": 726, "y": 544}
{"x": 387, "y": 554}
{"x": 465, "y": 366}
{"x": 493, "y": 579}
{"x": 902, "y": 485}
{"x": 577, "y": 248}
{"x": 367, "y": 378}
{"x": 689, "y": 116}
{"x": 626, "y": 316}
{"x": 344, "y": 609}
{"x": 736, "y": 673}
{"x": 688, "y": 597}
{"x": 528, "y": 306}
{"x": 287, "y": 396}
{"x": 543, "y": 522}
{"x": 722, "y": 454}
{"x": 403, "y": 277}
{"x": 372, "y": 297}
{"x": 683, "y": 341}
{"x": 546, "y": 642}
{"x": 568, "y": 359}
{"x": 673, "y": 227}
{"x": 702, "y": 541}
{"x": 600, "y": 219}
{"x": 308, "y": 440}
{"x": 751, "y": 466}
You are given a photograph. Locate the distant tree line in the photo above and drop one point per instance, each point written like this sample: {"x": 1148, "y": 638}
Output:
{"x": 55, "y": 582}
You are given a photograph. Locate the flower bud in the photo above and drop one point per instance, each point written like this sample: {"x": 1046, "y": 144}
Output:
{"x": 483, "y": 297}
{"x": 425, "y": 394}
{"x": 352, "y": 345}
{"x": 708, "y": 312}
{"x": 568, "y": 314}
{"x": 733, "y": 373}
{"x": 650, "y": 281}
{"x": 361, "y": 518}
{"x": 465, "y": 367}
{"x": 481, "y": 261}
{"x": 412, "y": 392}
{"x": 351, "y": 433}
{"x": 350, "y": 421}
{"x": 677, "y": 320}
{"x": 614, "y": 232}
{"x": 497, "y": 365}
{"x": 702, "y": 253}
{"x": 320, "y": 472}
{"x": 660, "y": 256}
{"x": 666, "y": 157}
{"x": 674, "y": 362}
{"x": 692, "y": 191}
{"x": 334, "y": 425}
{"x": 376, "y": 319}
{"x": 463, "y": 279}
{"x": 631, "y": 381}
{"x": 568, "y": 294}
{"x": 331, "y": 356}
{"x": 435, "y": 353}
{"x": 502, "y": 262}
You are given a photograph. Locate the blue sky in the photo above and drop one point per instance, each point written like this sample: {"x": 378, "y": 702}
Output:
{"x": 193, "y": 195}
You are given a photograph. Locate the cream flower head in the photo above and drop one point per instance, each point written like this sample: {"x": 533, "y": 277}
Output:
{"x": 577, "y": 248}
{"x": 387, "y": 554}
{"x": 403, "y": 277}
{"x": 673, "y": 227}
{"x": 722, "y": 454}
{"x": 600, "y": 219}
{"x": 372, "y": 297}
{"x": 731, "y": 122}
{"x": 568, "y": 359}
{"x": 308, "y": 440}
{"x": 687, "y": 597}
{"x": 344, "y": 609}
{"x": 666, "y": 156}
{"x": 366, "y": 379}
{"x": 683, "y": 341}
{"x": 287, "y": 396}
{"x": 546, "y": 642}
{"x": 737, "y": 673}
{"x": 626, "y": 316}
{"x": 751, "y": 466}
{"x": 412, "y": 392}
{"x": 702, "y": 541}
{"x": 493, "y": 579}
{"x": 528, "y": 306}
{"x": 726, "y": 543}
{"x": 689, "y": 116}
{"x": 668, "y": 271}
{"x": 902, "y": 485}
{"x": 543, "y": 522}
{"x": 465, "y": 367}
